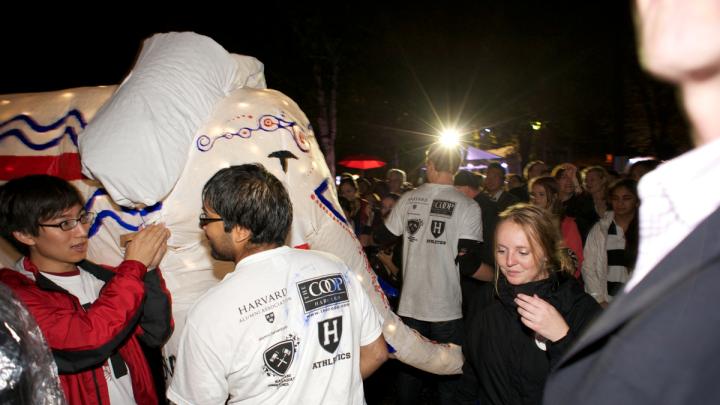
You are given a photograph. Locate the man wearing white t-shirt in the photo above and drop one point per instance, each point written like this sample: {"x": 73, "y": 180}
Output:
{"x": 442, "y": 232}
{"x": 288, "y": 326}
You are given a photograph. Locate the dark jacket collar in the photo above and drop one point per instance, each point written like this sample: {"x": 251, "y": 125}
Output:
{"x": 690, "y": 256}
{"x": 45, "y": 283}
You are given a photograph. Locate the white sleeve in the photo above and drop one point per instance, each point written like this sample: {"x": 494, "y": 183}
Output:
{"x": 394, "y": 221}
{"x": 594, "y": 267}
{"x": 471, "y": 223}
{"x": 198, "y": 377}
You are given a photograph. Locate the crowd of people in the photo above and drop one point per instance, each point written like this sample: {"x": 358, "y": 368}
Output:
{"x": 562, "y": 286}
{"x": 435, "y": 255}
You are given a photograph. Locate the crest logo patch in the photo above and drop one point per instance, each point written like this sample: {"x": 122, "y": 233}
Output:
{"x": 413, "y": 225}
{"x": 279, "y": 357}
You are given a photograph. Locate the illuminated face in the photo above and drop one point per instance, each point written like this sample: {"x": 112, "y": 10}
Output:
{"x": 623, "y": 201}
{"x": 538, "y": 196}
{"x": 516, "y": 255}
{"x": 221, "y": 247}
{"x": 593, "y": 182}
{"x": 55, "y": 250}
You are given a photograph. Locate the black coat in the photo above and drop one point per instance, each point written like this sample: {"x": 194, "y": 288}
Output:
{"x": 503, "y": 363}
{"x": 657, "y": 344}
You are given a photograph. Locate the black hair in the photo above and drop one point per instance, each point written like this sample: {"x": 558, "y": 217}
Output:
{"x": 467, "y": 178}
{"x": 27, "y": 201}
{"x": 629, "y": 184}
{"x": 496, "y": 166}
{"x": 345, "y": 204}
{"x": 250, "y": 197}
{"x": 632, "y": 234}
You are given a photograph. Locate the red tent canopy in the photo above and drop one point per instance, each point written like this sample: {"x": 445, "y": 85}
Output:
{"x": 361, "y": 162}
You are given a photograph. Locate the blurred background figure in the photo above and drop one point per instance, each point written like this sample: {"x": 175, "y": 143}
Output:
{"x": 544, "y": 193}
{"x": 611, "y": 248}
{"x": 535, "y": 168}
{"x": 595, "y": 180}
{"x": 396, "y": 180}
{"x": 495, "y": 186}
{"x": 358, "y": 209}
{"x": 640, "y": 168}
{"x": 516, "y": 186}
{"x": 576, "y": 203}
{"x": 468, "y": 183}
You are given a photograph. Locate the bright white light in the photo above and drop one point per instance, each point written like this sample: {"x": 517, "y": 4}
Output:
{"x": 503, "y": 164}
{"x": 450, "y": 137}
{"x": 487, "y": 130}
{"x": 639, "y": 158}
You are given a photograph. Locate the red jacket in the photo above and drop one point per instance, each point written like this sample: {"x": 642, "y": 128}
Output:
{"x": 134, "y": 304}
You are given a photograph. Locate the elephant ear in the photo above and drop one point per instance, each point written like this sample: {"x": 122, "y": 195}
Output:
{"x": 137, "y": 144}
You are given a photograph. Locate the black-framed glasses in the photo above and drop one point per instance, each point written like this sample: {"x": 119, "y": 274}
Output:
{"x": 69, "y": 224}
{"x": 204, "y": 219}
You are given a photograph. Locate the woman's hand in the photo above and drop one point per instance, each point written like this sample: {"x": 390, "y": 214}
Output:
{"x": 538, "y": 315}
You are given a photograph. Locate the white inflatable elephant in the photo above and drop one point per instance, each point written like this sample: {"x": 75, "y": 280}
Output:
{"x": 186, "y": 110}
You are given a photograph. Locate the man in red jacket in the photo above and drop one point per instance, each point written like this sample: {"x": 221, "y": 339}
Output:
{"x": 91, "y": 316}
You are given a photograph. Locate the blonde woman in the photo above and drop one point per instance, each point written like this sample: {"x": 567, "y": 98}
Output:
{"x": 523, "y": 323}
{"x": 595, "y": 182}
{"x": 545, "y": 193}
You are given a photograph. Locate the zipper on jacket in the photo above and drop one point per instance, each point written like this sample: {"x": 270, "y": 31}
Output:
{"x": 97, "y": 387}
{"x": 94, "y": 372}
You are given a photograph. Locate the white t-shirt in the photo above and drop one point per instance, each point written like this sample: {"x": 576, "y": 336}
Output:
{"x": 86, "y": 288}
{"x": 432, "y": 218}
{"x": 284, "y": 328}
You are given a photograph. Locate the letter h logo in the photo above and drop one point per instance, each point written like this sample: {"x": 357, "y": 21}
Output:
{"x": 329, "y": 333}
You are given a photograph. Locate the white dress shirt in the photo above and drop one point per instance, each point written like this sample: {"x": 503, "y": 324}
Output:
{"x": 675, "y": 198}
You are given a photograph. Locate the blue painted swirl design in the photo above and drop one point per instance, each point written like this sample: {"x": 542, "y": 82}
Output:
{"x": 266, "y": 123}
{"x": 37, "y": 127}
{"x": 95, "y": 227}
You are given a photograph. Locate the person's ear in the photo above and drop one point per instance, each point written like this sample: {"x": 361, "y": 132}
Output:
{"x": 240, "y": 234}
{"x": 24, "y": 238}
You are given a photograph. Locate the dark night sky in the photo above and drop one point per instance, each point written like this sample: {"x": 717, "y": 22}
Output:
{"x": 403, "y": 70}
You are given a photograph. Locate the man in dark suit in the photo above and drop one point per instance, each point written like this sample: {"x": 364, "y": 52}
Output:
{"x": 659, "y": 341}
{"x": 495, "y": 187}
